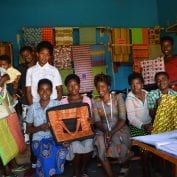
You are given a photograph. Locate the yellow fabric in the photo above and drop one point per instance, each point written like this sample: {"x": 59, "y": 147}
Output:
{"x": 166, "y": 115}
{"x": 8, "y": 146}
{"x": 13, "y": 74}
{"x": 121, "y": 44}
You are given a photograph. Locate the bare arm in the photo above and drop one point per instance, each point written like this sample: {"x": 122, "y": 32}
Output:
{"x": 29, "y": 95}
{"x": 31, "y": 129}
{"x": 3, "y": 79}
{"x": 59, "y": 92}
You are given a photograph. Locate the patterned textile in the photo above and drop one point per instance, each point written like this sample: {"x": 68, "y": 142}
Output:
{"x": 62, "y": 57}
{"x": 154, "y": 95}
{"x": 82, "y": 67}
{"x": 48, "y": 35}
{"x": 50, "y": 157}
{"x": 134, "y": 131}
{"x": 150, "y": 68}
{"x": 32, "y": 36}
{"x": 140, "y": 51}
{"x": 154, "y": 35}
{"x": 137, "y": 65}
{"x": 121, "y": 44}
{"x": 97, "y": 53}
{"x": 63, "y": 36}
{"x": 155, "y": 51}
{"x": 165, "y": 119}
{"x": 87, "y": 35}
{"x": 8, "y": 145}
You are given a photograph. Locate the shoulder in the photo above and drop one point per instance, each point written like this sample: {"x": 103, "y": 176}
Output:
{"x": 55, "y": 102}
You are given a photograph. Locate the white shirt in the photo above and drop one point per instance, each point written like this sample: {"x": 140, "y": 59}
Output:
{"x": 36, "y": 73}
{"x": 137, "y": 111}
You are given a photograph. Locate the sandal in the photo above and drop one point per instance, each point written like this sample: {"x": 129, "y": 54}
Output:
{"x": 123, "y": 172}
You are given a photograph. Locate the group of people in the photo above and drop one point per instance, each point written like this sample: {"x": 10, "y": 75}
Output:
{"x": 39, "y": 86}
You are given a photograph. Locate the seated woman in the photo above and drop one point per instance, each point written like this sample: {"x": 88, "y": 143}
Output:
{"x": 137, "y": 106}
{"x": 112, "y": 136}
{"x": 50, "y": 157}
{"x": 79, "y": 151}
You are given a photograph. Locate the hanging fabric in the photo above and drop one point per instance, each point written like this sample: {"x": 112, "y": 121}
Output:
{"x": 48, "y": 34}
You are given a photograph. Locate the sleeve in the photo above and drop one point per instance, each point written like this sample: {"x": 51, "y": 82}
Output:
{"x": 96, "y": 116}
{"x": 30, "y": 115}
{"x": 131, "y": 115}
{"x": 121, "y": 107}
{"x": 17, "y": 72}
{"x": 151, "y": 100}
{"x": 29, "y": 78}
{"x": 57, "y": 77}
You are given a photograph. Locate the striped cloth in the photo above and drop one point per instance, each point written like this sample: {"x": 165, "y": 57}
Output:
{"x": 48, "y": 35}
{"x": 82, "y": 67}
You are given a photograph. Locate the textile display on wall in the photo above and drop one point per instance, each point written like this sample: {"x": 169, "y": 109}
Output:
{"x": 121, "y": 44}
{"x": 82, "y": 67}
{"x": 165, "y": 119}
{"x": 62, "y": 57}
{"x": 150, "y": 68}
{"x": 155, "y": 51}
{"x": 70, "y": 122}
{"x": 154, "y": 35}
{"x": 32, "y": 36}
{"x": 63, "y": 36}
{"x": 97, "y": 53}
{"x": 87, "y": 35}
{"x": 48, "y": 34}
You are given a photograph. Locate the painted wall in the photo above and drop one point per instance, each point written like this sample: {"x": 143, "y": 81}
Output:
{"x": 115, "y": 13}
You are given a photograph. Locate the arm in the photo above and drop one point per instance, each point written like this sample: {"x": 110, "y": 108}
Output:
{"x": 59, "y": 92}
{"x": 29, "y": 95}
{"x": 3, "y": 79}
{"x": 31, "y": 129}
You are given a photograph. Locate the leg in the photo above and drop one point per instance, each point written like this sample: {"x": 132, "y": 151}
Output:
{"x": 84, "y": 162}
{"x": 77, "y": 164}
{"x": 107, "y": 167}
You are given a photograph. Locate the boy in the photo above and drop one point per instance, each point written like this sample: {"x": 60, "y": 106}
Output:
{"x": 43, "y": 70}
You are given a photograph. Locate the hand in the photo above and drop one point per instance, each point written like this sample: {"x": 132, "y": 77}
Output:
{"x": 107, "y": 137}
{"x": 44, "y": 127}
{"x": 66, "y": 144}
{"x": 148, "y": 127}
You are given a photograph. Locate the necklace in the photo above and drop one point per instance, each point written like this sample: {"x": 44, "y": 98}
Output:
{"x": 107, "y": 120}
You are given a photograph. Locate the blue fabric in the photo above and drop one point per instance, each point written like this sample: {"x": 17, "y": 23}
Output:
{"x": 50, "y": 157}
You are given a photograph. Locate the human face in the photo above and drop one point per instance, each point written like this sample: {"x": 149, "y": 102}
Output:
{"x": 43, "y": 56}
{"x": 162, "y": 82}
{"x": 27, "y": 56}
{"x": 4, "y": 64}
{"x": 102, "y": 88}
{"x": 167, "y": 48}
{"x": 44, "y": 92}
{"x": 73, "y": 88}
{"x": 136, "y": 86}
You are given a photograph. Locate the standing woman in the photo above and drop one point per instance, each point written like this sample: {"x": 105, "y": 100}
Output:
{"x": 112, "y": 136}
{"x": 79, "y": 151}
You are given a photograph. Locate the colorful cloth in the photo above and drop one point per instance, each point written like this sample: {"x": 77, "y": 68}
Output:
{"x": 150, "y": 68}
{"x": 62, "y": 57}
{"x": 50, "y": 157}
{"x": 82, "y": 67}
{"x": 154, "y": 95}
{"x": 165, "y": 119}
{"x": 154, "y": 35}
{"x": 32, "y": 36}
{"x": 48, "y": 34}
{"x": 134, "y": 131}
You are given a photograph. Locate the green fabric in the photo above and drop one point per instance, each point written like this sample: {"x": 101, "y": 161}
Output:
{"x": 137, "y": 37}
{"x": 87, "y": 35}
{"x": 98, "y": 70}
{"x": 136, "y": 131}
{"x": 64, "y": 73}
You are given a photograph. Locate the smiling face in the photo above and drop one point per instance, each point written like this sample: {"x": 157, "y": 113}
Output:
{"x": 44, "y": 92}
{"x": 162, "y": 82}
{"x": 4, "y": 64}
{"x": 136, "y": 86}
{"x": 73, "y": 87}
{"x": 102, "y": 88}
{"x": 43, "y": 56}
{"x": 167, "y": 48}
{"x": 27, "y": 56}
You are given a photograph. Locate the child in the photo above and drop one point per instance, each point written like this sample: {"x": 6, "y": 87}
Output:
{"x": 50, "y": 157}
{"x": 14, "y": 74}
{"x": 137, "y": 107}
{"x": 41, "y": 70}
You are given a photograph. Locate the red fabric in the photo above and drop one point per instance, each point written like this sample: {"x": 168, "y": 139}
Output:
{"x": 48, "y": 35}
{"x": 171, "y": 69}
{"x": 14, "y": 126}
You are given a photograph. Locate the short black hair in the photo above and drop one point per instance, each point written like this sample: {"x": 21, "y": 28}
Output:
{"x": 161, "y": 73}
{"x": 72, "y": 77}
{"x": 133, "y": 76}
{"x": 5, "y": 58}
{"x": 167, "y": 38}
{"x": 45, "y": 81}
{"x": 102, "y": 78}
{"x": 45, "y": 45}
{"x": 26, "y": 48}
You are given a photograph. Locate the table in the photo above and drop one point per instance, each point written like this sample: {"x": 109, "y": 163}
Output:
{"x": 162, "y": 154}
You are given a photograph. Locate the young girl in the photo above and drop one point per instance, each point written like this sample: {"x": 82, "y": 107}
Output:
{"x": 50, "y": 157}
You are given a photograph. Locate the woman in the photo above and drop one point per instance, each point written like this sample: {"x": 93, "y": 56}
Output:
{"x": 112, "y": 136}
{"x": 137, "y": 106}
{"x": 79, "y": 151}
{"x": 50, "y": 157}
